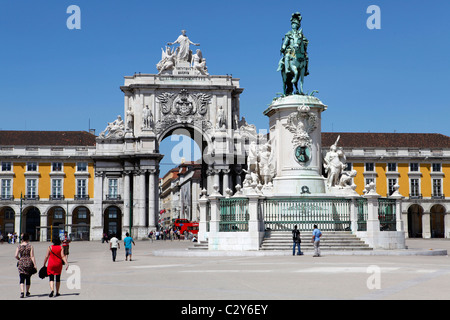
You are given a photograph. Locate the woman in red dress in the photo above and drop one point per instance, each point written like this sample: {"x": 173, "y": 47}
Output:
{"x": 55, "y": 257}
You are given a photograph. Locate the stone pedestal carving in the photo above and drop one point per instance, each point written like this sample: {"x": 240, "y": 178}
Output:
{"x": 295, "y": 129}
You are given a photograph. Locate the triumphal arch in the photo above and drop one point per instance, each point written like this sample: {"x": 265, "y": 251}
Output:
{"x": 180, "y": 98}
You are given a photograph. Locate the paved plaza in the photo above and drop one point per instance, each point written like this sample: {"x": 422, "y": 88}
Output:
{"x": 163, "y": 270}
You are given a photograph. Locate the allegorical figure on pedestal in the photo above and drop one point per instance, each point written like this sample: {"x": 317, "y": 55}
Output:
{"x": 183, "y": 51}
{"x": 199, "y": 63}
{"x": 130, "y": 119}
{"x": 167, "y": 62}
{"x": 114, "y": 129}
{"x": 294, "y": 61}
{"x": 147, "y": 118}
{"x": 334, "y": 163}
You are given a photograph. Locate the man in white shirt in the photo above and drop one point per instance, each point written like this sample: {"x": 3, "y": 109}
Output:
{"x": 113, "y": 246}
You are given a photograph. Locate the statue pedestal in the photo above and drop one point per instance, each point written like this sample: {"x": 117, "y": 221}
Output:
{"x": 295, "y": 131}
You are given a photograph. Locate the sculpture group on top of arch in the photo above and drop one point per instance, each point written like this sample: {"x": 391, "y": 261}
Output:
{"x": 182, "y": 56}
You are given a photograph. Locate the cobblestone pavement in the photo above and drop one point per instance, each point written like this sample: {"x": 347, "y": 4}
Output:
{"x": 240, "y": 277}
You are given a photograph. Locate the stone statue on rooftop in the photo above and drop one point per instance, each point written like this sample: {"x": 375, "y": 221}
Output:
{"x": 183, "y": 51}
{"x": 199, "y": 63}
{"x": 167, "y": 62}
{"x": 115, "y": 129}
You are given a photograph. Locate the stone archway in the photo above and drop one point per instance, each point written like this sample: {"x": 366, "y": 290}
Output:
{"x": 7, "y": 222}
{"x": 81, "y": 219}
{"x": 415, "y": 213}
{"x": 437, "y": 221}
{"x": 113, "y": 221}
{"x": 155, "y": 105}
{"x": 32, "y": 221}
{"x": 189, "y": 157}
{"x": 56, "y": 219}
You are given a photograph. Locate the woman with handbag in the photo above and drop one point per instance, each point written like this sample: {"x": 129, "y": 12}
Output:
{"x": 56, "y": 259}
{"x": 26, "y": 264}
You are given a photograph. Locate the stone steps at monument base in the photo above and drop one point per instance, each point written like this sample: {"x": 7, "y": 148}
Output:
{"x": 332, "y": 240}
{"x": 202, "y": 245}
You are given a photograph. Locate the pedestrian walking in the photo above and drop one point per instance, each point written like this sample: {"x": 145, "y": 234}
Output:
{"x": 113, "y": 246}
{"x": 65, "y": 244}
{"x": 105, "y": 238}
{"x": 128, "y": 248}
{"x": 296, "y": 241}
{"x": 56, "y": 259}
{"x": 316, "y": 240}
{"x": 26, "y": 264}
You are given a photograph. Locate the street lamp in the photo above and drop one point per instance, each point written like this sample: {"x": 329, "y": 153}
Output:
{"x": 20, "y": 222}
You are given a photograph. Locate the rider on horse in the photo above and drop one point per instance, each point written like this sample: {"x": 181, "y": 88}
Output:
{"x": 294, "y": 63}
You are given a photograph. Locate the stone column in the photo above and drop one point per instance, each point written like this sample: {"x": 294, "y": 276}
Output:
{"x": 142, "y": 198}
{"x": 447, "y": 225}
{"x": 215, "y": 210}
{"x": 69, "y": 219}
{"x": 139, "y": 200}
{"x": 203, "y": 223}
{"x": 210, "y": 180}
{"x": 152, "y": 199}
{"x": 354, "y": 214}
{"x": 97, "y": 221}
{"x": 126, "y": 200}
{"x": 373, "y": 223}
{"x": 254, "y": 223}
{"x": 43, "y": 236}
{"x": 398, "y": 208}
{"x": 226, "y": 180}
{"x": 216, "y": 178}
{"x": 426, "y": 225}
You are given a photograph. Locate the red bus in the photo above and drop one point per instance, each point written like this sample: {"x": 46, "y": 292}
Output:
{"x": 186, "y": 225}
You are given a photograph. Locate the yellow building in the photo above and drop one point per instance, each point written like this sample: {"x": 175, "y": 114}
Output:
{"x": 46, "y": 180}
{"x": 419, "y": 163}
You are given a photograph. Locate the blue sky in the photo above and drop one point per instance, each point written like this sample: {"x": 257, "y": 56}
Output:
{"x": 392, "y": 79}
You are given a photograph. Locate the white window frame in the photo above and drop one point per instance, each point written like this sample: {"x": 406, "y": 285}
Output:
{"x": 61, "y": 188}
{"x": 116, "y": 187}
{"x": 418, "y": 167}
{"x": 9, "y": 188}
{"x": 32, "y": 162}
{"x": 78, "y": 166}
{"x": 440, "y": 167}
{"x": 62, "y": 167}
{"x": 36, "y": 188}
{"x": 86, "y": 191}
{"x": 365, "y": 167}
{"x": 10, "y": 164}
{"x": 396, "y": 167}
{"x": 433, "y": 194}
{"x": 419, "y": 194}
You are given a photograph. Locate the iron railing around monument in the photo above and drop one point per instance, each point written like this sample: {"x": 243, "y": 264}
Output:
{"x": 234, "y": 215}
{"x": 329, "y": 214}
{"x": 386, "y": 214}
{"x": 361, "y": 205}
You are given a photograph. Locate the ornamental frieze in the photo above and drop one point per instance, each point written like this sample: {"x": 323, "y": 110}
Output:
{"x": 183, "y": 107}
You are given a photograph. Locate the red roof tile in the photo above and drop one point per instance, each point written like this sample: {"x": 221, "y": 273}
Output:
{"x": 46, "y": 138}
{"x": 386, "y": 140}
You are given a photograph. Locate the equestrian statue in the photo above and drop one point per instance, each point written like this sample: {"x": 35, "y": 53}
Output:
{"x": 294, "y": 61}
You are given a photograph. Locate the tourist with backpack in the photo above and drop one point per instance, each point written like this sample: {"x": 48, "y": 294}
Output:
{"x": 296, "y": 240}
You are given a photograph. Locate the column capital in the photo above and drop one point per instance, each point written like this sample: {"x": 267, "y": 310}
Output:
{"x": 99, "y": 174}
